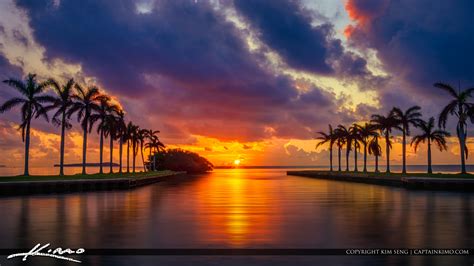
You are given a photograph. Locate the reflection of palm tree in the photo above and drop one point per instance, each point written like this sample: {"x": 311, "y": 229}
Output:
{"x": 385, "y": 124}
{"x": 411, "y": 116}
{"x": 375, "y": 149}
{"x": 85, "y": 104}
{"x": 327, "y": 138}
{"x": 31, "y": 107}
{"x": 366, "y": 132}
{"x": 344, "y": 133}
{"x": 62, "y": 102}
{"x": 105, "y": 110}
{"x": 461, "y": 108}
{"x": 431, "y": 136}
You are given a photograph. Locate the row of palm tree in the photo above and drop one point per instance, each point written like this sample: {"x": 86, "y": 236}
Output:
{"x": 91, "y": 106}
{"x": 381, "y": 126}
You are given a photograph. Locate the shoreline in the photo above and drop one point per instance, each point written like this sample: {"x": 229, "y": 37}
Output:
{"x": 56, "y": 185}
{"x": 419, "y": 181}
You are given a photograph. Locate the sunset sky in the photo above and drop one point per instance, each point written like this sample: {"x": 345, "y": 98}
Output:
{"x": 239, "y": 80}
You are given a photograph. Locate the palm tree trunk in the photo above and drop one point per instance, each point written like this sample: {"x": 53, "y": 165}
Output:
{"x": 128, "y": 156}
{"x": 355, "y": 160}
{"x": 120, "y": 153}
{"x": 330, "y": 158}
{"x": 111, "y": 153}
{"x": 387, "y": 150}
{"x": 133, "y": 155}
{"x": 365, "y": 157}
{"x": 429, "y": 157}
{"x": 101, "y": 147}
{"x": 143, "y": 159}
{"x": 84, "y": 149}
{"x": 462, "y": 139}
{"x": 61, "y": 148}
{"x": 27, "y": 148}
{"x": 339, "y": 158}
{"x": 347, "y": 158}
{"x": 404, "y": 152}
{"x": 376, "y": 156}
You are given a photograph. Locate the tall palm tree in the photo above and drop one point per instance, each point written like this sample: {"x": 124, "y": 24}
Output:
{"x": 106, "y": 109}
{"x": 132, "y": 131}
{"x": 411, "y": 116}
{"x": 328, "y": 138}
{"x": 128, "y": 138}
{"x": 111, "y": 127}
{"x": 155, "y": 145}
{"x": 344, "y": 133}
{"x": 459, "y": 106}
{"x": 375, "y": 149}
{"x": 340, "y": 141}
{"x": 431, "y": 136}
{"x": 385, "y": 124}
{"x": 62, "y": 103}
{"x": 31, "y": 102}
{"x": 366, "y": 132}
{"x": 141, "y": 136}
{"x": 356, "y": 139}
{"x": 121, "y": 135}
{"x": 85, "y": 104}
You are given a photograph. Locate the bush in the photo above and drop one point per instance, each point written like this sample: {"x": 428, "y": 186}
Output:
{"x": 181, "y": 160}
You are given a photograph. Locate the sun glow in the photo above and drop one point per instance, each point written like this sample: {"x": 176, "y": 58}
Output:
{"x": 237, "y": 162}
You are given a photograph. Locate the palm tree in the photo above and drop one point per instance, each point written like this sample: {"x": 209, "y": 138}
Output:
{"x": 154, "y": 145}
{"x": 344, "y": 133}
{"x": 327, "y": 138}
{"x": 366, "y": 131}
{"x": 411, "y": 116}
{"x": 141, "y": 136}
{"x": 356, "y": 139}
{"x": 430, "y": 135}
{"x": 128, "y": 137}
{"x": 460, "y": 107}
{"x": 385, "y": 124}
{"x": 85, "y": 104}
{"x": 340, "y": 141}
{"x": 132, "y": 132}
{"x": 106, "y": 109}
{"x": 31, "y": 102}
{"x": 375, "y": 149}
{"x": 121, "y": 135}
{"x": 62, "y": 102}
{"x": 111, "y": 127}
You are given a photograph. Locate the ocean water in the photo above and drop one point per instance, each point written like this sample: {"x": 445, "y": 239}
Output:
{"x": 243, "y": 208}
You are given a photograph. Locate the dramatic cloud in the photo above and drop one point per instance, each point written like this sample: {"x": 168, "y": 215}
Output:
{"x": 421, "y": 42}
{"x": 184, "y": 62}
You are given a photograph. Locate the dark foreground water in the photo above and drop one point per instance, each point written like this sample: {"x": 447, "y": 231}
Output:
{"x": 236, "y": 208}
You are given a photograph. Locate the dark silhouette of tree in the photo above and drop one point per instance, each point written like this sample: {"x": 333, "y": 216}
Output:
{"x": 181, "y": 160}
{"x": 366, "y": 132}
{"x": 430, "y": 135}
{"x": 31, "y": 103}
{"x": 62, "y": 102}
{"x": 121, "y": 135}
{"x": 375, "y": 149}
{"x": 85, "y": 104}
{"x": 412, "y": 116}
{"x": 344, "y": 133}
{"x": 459, "y": 107}
{"x": 106, "y": 109}
{"x": 155, "y": 146}
{"x": 385, "y": 124}
{"x": 356, "y": 138}
{"x": 111, "y": 128}
{"x": 327, "y": 138}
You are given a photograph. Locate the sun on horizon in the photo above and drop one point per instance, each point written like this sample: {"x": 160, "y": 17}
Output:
{"x": 237, "y": 162}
